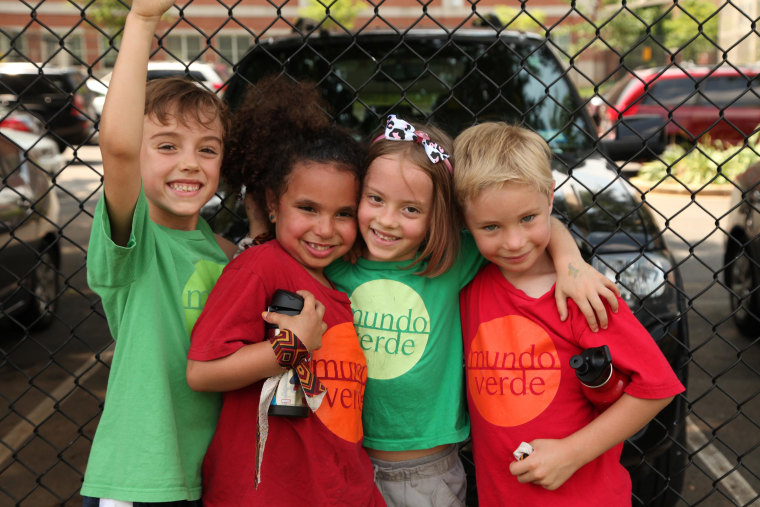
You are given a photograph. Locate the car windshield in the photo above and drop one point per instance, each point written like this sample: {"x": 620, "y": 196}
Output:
{"x": 450, "y": 81}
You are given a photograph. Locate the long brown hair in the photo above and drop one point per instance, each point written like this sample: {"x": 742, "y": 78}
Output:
{"x": 441, "y": 244}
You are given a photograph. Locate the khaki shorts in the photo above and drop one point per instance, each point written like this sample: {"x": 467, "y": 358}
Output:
{"x": 437, "y": 480}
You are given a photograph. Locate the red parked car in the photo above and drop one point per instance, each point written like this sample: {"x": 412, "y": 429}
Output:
{"x": 702, "y": 103}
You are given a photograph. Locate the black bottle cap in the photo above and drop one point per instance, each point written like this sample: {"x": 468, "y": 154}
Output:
{"x": 286, "y": 302}
{"x": 592, "y": 365}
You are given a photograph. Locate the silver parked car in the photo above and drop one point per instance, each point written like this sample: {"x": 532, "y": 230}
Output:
{"x": 29, "y": 249}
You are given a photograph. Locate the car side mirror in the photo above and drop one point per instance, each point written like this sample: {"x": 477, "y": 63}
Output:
{"x": 638, "y": 137}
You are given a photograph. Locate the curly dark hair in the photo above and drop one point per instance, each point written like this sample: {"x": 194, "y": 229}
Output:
{"x": 281, "y": 123}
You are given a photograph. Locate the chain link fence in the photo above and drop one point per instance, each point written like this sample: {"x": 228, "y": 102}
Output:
{"x": 689, "y": 261}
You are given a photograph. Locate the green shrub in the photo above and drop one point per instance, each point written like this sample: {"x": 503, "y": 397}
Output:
{"x": 708, "y": 162}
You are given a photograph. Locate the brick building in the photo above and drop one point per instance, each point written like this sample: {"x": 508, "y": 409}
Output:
{"x": 64, "y": 33}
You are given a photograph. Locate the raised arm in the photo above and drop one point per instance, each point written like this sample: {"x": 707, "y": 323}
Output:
{"x": 576, "y": 279}
{"x": 121, "y": 125}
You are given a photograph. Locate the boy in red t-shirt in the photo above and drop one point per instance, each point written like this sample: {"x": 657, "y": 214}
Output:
{"x": 520, "y": 387}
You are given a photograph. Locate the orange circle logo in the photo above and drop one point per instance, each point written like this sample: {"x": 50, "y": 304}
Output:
{"x": 341, "y": 367}
{"x": 513, "y": 370}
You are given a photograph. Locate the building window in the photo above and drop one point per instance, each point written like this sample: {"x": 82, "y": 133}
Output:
{"x": 108, "y": 52}
{"x": 12, "y": 47}
{"x": 185, "y": 47}
{"x": 71, "y": 52}
{"x": 232, "y": 47}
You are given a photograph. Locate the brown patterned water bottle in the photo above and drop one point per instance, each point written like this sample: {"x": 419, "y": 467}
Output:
{"x": 288, "y": 399}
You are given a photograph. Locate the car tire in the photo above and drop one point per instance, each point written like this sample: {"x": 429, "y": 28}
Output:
{"x": 43, "y": 285}
{"x": 741, "y": 279}
{"x": 661, "y": 487}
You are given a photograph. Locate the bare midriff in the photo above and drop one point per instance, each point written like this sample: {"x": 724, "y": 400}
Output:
{"x": 404, "y": 455}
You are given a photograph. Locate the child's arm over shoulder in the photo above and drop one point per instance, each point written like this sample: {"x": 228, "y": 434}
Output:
{"x": 578, "y": 280}
{"x": 228, "y": 247}
{"x": 121, "y": 125}
{"x": 554, "y": 461}
{"x": 257, "y": 361}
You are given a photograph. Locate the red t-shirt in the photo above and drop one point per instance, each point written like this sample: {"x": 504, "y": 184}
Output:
{"x": 317, "y": 460}
{"x": 520, "y": 387}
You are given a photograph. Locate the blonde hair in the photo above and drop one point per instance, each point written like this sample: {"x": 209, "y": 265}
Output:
{"x": 494, "y": 153}
{"x": 444, "y": 227}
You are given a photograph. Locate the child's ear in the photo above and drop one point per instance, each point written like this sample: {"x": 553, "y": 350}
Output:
{"x": 551, "y": 196}
{"x": 271, "y": 201}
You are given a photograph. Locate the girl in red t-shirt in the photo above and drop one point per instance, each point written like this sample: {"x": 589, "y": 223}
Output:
{"x": 306, "y": 173}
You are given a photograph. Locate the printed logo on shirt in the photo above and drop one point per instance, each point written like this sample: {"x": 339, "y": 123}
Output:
{"x": 341, "y": 367}
{"x": 197, "y": 289}
{"x": 513, "y": 370}
{"x": 393, "y": 325}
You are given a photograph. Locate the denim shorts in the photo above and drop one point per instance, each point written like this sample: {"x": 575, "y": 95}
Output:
{"x": 437, "y": 480}
{"x": 95, "y": 502}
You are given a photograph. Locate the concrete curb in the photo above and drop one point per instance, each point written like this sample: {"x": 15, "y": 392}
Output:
{"x": 669, "y": 187}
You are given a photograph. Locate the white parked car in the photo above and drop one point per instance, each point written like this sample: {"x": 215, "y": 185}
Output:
{"x": 202, "y": 73}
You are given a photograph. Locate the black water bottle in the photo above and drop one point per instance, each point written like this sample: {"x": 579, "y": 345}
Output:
{"x": 288, "y": 399}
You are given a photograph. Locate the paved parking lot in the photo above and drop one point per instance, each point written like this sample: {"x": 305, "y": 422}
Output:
{"x": 723, "y": 374}
{"x": 39, "y": 387}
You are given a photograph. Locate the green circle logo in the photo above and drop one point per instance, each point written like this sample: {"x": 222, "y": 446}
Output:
{"x": 393, "y": 326}
{"x": 197, "y": 289}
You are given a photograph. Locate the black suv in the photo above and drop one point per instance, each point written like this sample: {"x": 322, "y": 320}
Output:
{"x": 457, "y": 79}
{"x": 57, "y": 96}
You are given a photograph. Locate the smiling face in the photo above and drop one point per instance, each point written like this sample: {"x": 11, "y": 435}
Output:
{"x": 395, "y": 209}
{"x": 180, "y": 169}
{"x": 315, "y": 217}
{"x": 510, "y": 224}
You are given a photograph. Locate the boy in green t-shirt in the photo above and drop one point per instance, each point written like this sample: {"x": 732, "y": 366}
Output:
{"x": 153, "y": 261}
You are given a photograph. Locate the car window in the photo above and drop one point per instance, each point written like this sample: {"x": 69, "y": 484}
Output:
{"x": 451, "y": 82}
{"x": 619, "y": 89}
{"x": 734, "y": 91}
{"x": 672, "y": 92}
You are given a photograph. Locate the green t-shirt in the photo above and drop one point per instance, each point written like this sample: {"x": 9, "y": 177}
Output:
{"x": 154, "y": 429}
{"x": 409, "y": 329}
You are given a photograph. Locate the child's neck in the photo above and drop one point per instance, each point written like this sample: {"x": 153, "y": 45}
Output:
{"x": 366, "y": 255}
{"x": 319, "y": 275}
{"x": 537, "y": 280}
{"x": 169, "y": 220}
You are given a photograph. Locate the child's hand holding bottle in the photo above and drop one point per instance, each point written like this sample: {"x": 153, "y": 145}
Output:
{"x": 308, "y": 325}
